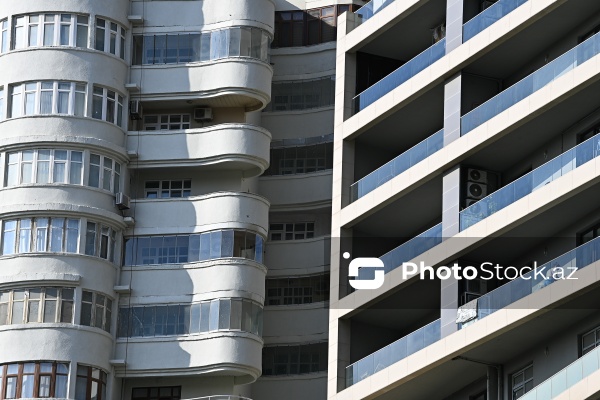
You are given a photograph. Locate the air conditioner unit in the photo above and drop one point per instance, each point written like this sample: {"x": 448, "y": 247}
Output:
{"x": 439, "y": 32}
{"x": 477, "y": 175}
{"x": 122, "y": 201}
{"x": 487, "y": 3}
{"x": 476, "y": 208}
{"x": 476, "y": 190}
{"x": 203, "y": 114}
{"x": 135, "y": 109}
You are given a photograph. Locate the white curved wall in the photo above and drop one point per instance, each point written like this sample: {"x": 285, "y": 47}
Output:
{"x": 299, "y": 124}
{"x": 302, "y": 190}
{"x": 202, "y": 213}
{"x": 116, "y": 10}
{"x": 195, "y": 282}
{"x": 241, "y": 147}
{"x": 296, "y": 324}
{"x": 221, "y": 353}
{"x": 233, "y": 82}
{"x": 298, "y": 257}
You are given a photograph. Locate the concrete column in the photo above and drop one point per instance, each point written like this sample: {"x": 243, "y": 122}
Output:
{"x": 454, "y": 24}
{"x": 449, "y": 306}
{"x": 452, "y": 109}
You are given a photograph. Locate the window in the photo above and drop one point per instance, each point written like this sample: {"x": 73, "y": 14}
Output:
{"x": 27, "y": 235}
{"x": 291, "y": 231}
{"x": 2, "y": 116}
{"x": 182, "y": 48}
{"x": 50, "y": 30}
{"x": 110, "y": 37}
{"x": 297, "y": 290}
{"x": 4, "y": 36}
{"x": 590, "y": 340}
{"x": 107, "y": 105}
{"x": 302, "y": 95}
{"x": 35, "y": 379}
{"x": 294, "y": 359}
{"x": 44, "y": 166}
{"x": 100, "y": 241}
{"x": 104, "y": 173}
{"x": 90, "y": 383}
{"x": 301, "y": 159}
{"x": 167, "y": 122}
{"x": 49, "y": 305}
{"x": 522, "y": 382}
{"x": 167, "y": 189}
{"x": 49, "y": 97}
{"x": 156, "y": 393}
{"x": 186, "y": 319}
{"x": 153, "y": 250}
{"x": 301, "y": 28}
{"x": 96, "y": 310}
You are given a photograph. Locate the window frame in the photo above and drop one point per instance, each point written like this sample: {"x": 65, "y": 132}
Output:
{"x": 106, "y": 97}
{"x": 105, "y": 307}
{"x": 285, "y": 233}
{"x": 100, "y": 380}
{"x": 515, "y": 387}
{"x": 74, "y": 25}
{"x": 283, "y": 291}
{"x": 43, "y": 301}
{"x": 175, "y": 393}
{"x": 37, "y": 374}
{"x": 35, "y": 230}
{"x": 584, "y": 350}
{"x": 115, "y": 172}
{"x": 20, "y": 107}
{"x": 184, "y": 122}
{"x": 69, "y": 162}
{"x": 166, "y": 187}
{"x": 120, "y": 33}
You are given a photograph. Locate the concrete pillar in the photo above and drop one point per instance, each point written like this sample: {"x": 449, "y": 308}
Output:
{"x": 454, "y": 24}
{"x": 452, "y": 108}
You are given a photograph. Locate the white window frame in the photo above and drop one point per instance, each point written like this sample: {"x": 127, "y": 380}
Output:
{"x": 110, "y": 28}
{"x": 168, "y": 124}
{"x": 99, "y": 231}
{"x": 19, "y": 106}
{"x": 4, "y": 36}
{"x": 166, "y": 187}
{"x": 307, "y": 233}
{"x": 75, "y": 22}
{"x": 106, "y": 97}
{"x": 105, "y": 308}
{"x": 7, "y": 299}
{"x": 2, "y": 104}
{"x": 520, "y": 385}
{"x": 52, "y": 160}
{"x": 596, "y": 334}
{"x": 41, "y": 227}
{"x": 114, "y": 170}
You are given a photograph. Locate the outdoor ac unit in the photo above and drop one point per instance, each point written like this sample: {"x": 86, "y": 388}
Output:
{"x": 122, "y": 201}
{"x": 135, "y": 109}
{"x": 203, "y": 114}
{"x": 477, "y": 175}
{"x": 487, "y": 3}
{"x": 476, "y": 190}
{"x": 439, "y": 32}
{"x": 470, "y": 202}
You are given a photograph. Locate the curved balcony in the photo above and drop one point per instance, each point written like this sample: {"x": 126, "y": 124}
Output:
{"x": 59, "y": 269}
{"x": 80, "y": 131}
{"x": 296, "y": 323}
{"x": 74, "y": 343}
{"x": 209, "y": 12}
{"x": 298, "y": 256}
{"x": 201, "y": 213}
{"x": 236, "y": 354}
{"x": 220, "y": 147}
{"x": 300, "y": 190}
{"x": 229, "y": 82}
{"x": 64, "y": 63}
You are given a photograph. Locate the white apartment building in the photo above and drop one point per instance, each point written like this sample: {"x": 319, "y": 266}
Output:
{"x": 142, "y": 255}
{"x": 466, "y": 133}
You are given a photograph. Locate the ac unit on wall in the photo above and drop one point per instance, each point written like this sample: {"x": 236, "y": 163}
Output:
{"x": 476, "y": 186}
{"x": 122, "y": 201}
{"x": 135, "y": 109}
{"x": 203, "y": 114}
{"x": 439, "y": 32}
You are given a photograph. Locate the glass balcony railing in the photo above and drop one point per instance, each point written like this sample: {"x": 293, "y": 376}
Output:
{"x": 372, "y": 8}
{"x": 399, "y": 76}
{"x": 531, "y": 84}
{"x": 489, "y": 16}
{"x": 412, "y": 248}
{"x": 393, "y": 353}
{"x": 396, "y": 166}
{"x": 580, "y": 257}
{"x": 530, "y": 182}
{"x": 566, "y": 378}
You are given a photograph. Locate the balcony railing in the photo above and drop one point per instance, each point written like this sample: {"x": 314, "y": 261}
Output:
{"x": 566, "y": 378}
{"x": 412, "y": 249}
{"x": 399, "y": 76}
{"x": 489, "y": 16}
{"x": 397, "y": 166}
{"x": 530, "y": 182}
{"x": 531, "y": 84}
{"x": 372, "y": 8}
{"x": 394, "y": 352}
{"x": 580, "y": 257}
